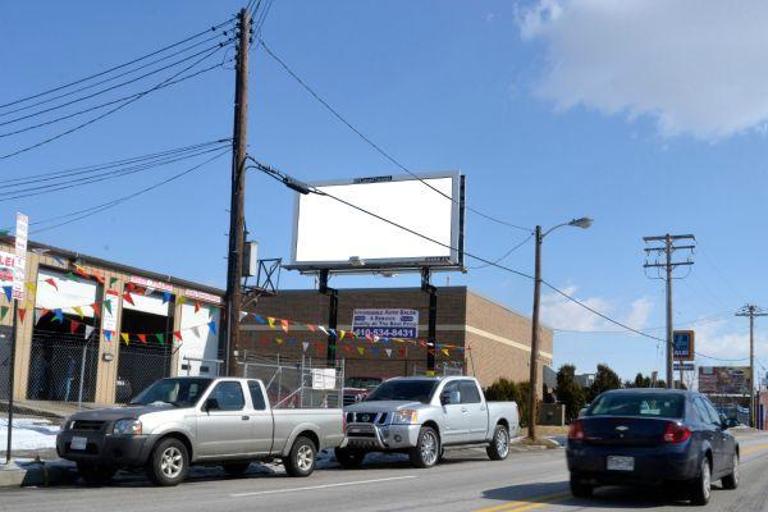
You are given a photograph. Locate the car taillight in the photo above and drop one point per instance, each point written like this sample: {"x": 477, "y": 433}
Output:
{"x": 576, "y": 431}
{"x": 676, "y": 433}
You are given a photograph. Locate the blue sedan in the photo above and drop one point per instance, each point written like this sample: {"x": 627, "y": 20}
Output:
{"x": 652, "y": 436}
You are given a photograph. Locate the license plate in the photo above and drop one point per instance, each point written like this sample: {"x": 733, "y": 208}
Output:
{"x": 616, "y": 463}
{"x": 78, "y": 443}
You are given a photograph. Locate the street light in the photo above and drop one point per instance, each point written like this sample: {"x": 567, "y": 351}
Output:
{"x": 583, "y": 223}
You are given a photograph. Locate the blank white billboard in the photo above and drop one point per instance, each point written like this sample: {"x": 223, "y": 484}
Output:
{"x": 331, "y": 235}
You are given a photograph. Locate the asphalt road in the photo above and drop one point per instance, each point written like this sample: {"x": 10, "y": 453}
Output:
{"x": 467, "y": 481}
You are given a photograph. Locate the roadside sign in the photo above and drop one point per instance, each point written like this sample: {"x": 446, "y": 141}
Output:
{"x": 686, "y": 366}
{"x": 683, "y": 342}
{"x": 386, "y": 323}
{"x": 20, "y": 261}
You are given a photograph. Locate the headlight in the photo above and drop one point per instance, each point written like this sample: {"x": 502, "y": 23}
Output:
{"x": 406, "y": 416}
{"x": 127, "y": 427}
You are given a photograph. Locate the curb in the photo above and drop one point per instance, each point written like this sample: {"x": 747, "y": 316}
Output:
{"x": 40, "y": 474}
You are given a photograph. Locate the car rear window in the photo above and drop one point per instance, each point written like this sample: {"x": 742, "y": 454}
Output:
{"x": 660, "y": 405}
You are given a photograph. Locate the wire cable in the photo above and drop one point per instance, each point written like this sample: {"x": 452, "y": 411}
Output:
{"x": 371, "y": 143}
{"x": 506, "y": 254}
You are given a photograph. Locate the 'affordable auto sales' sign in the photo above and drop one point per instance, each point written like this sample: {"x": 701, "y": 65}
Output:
{"x": 386, "y": 323}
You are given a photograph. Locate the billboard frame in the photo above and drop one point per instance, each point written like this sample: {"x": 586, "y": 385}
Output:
{"x": 454, "y": 262}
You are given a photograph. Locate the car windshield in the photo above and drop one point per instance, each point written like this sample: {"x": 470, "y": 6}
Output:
{"x": 661, "y": 405}
{"x": 362, "y": 382}
{"x": 412, "y": 390}
{"x": 178, "y": 392}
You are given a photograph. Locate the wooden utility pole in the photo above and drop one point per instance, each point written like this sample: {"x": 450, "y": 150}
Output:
{"x": 751, "y": 311}
{"x": 236, "y": 230}
{"x": 534, "y": 364}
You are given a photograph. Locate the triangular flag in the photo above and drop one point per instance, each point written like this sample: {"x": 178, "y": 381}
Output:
{"x": 142, "y": 338}
{"x": 388, "y": 351}
{"x": 361, "y": 350}
{"x": 126, "y": 337}
{"x": 58, "y": 315}
{"x": 95, "y": 308}
{"x": 333, "y": 333}
{"x": 22, "y": 314}
{"x": 8, "y": 292}
{"x": 82, "y": 271}
{"x": 311, "y": 328}
{"x": 342, "y": 333}
{"x": 73, "y": 325}
{"x": 305, "y": 345}
{"x": 445, "y": 351}
{"x": 284, "y": 325}
{"x": 197, "y": 306}
{"x": 99, "y": 277}
{"x": 323, "y": 329}
{"x": 71, "y": 275}
{"x": 38, "y": 314}
{"x": 127, "y": 298}
{"x": 108, "y": 335}
{"x": 32, "y": 287}
{"x": 279, "y": 341}
{"x": 271, "y": 322}
{"x": 259, "y": 319}
{"x": 167, "y": 297}
{"x": 160, "y": 337}
{"x": 51, "y": 281}
{"x": 88, "y": 331}
{"x": 212, "y": 326}
{"x": 112, "y": 281}
{"x": 181, "y": 300}
{"x": 3, "y": 312}
{"x": 177, "y": 335}
{"x": 402, "y": 352}
{"x": 79, "y": 311}
{"x": 243, "y": 314}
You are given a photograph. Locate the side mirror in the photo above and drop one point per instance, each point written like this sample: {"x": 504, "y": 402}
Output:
{"x": 211, "y": 405}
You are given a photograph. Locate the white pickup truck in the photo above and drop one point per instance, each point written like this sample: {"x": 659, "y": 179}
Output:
{"x": 180, "y": 421}
{"x": 421, "y": 416}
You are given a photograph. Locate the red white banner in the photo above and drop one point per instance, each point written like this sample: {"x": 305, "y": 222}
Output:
{"x": 20, "y": 263}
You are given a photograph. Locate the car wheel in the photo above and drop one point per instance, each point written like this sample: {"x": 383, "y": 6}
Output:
{"x": 236, "y": 468}
{"x": 499, "y": 447}
{"x": 732, "y": 481}
{"x": 349, "y": 459}
{"x": 701, "y": 487}
{"x": 95, "y": 474}
{"x": 579, "y": 489}
{"x": 427, "y": 450}
{"x": 169, "y": 463}
{"x": 301, "y": 461}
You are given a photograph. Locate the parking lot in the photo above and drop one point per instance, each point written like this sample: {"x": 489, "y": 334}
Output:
{"x": 466, "y": 481}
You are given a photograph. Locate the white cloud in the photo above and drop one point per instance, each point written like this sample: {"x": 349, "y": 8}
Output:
{"x": 697, "y": 68}
{"x": 561, "y": 313}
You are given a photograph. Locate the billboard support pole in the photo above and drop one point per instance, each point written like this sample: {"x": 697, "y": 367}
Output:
{"x": 431, "y": 290}
{"x": 333, "y": 315}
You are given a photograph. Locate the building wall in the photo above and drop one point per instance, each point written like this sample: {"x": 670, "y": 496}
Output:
{"x": 496, "y": 340}
{"x": 106, "y": 372}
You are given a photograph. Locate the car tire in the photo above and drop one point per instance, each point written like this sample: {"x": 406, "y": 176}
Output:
{"x": 701, "y": 486}
{"x": 731, "y": 481}
{"x": 95, "y": 474}
{"x": 168, "y": 464}
{"x": 236, "y": 468}
{"x": 427, "y": 450}
{"x": 301, "y": 460}
{"x": 579, "y": 489}
{"x": 349, "y": 459}
{"x": 499, "y": 447}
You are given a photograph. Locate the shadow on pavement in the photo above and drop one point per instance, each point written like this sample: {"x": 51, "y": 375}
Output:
{"x": 609, "y": 498}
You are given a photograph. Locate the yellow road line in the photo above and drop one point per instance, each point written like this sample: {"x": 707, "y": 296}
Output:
{"x": 752, "y": 449}
{"x": 527, "y": 504}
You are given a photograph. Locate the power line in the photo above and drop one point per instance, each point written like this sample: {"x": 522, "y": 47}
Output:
{"x": 371, "y": 143}
{"x": 506, "y": 254}
{"x": 111, "y": 111}
{"x": 93, "y": 210}
{"x": 120, "y": 66}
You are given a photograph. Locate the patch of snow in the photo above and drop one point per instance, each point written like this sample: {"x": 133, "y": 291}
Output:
{"x": 29, "y": 433}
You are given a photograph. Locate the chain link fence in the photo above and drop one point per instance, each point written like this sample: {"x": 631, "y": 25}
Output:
{"x": 444, "y": 369}
{"x": 5, "y": 361}
{"x": 139, "y": 365}
{"x": 296, "y": 383}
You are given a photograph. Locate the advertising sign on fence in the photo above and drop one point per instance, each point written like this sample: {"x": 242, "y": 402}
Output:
{"x": 323, "y": 378}
{"x": 724, "y": 380}
{"x": 386, "y": 323}
{"x": 6, "y": 268}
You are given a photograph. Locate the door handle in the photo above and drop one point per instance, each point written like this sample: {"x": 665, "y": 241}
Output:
{"x": 463, "y": 409}
{"x": 245, "y": 418}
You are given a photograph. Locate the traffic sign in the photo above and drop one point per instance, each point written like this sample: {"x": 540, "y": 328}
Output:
{"x": 683, "y": 342}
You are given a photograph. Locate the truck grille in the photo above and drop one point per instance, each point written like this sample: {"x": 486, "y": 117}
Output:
{"x": 367, "y": 417}
{"x": 89, "y": 425}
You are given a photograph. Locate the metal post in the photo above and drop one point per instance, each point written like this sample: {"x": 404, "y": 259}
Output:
{"x": 431, "y": 290}
{"x": 752, "y": 370}
{"x": 82, "y": 375}
{"x": 236, "y": 228}
{"x": 534, "y": 377}
{"x": 333, "y": 316}
{"x": 11, "y": 378}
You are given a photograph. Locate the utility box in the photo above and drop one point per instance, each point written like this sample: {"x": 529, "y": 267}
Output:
{"x": 552, "y": 414}
{"x": 250, "y": 259}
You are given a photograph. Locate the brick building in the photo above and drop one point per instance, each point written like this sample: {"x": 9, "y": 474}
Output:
{"x": 474, "y": 334}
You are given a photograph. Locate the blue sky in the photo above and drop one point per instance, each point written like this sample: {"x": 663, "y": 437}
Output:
{"x": 550, "y": 109}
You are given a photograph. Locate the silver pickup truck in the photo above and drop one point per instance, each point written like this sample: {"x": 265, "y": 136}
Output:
{"x": 176, "y": 422}
{"x": 421, "y": 416}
